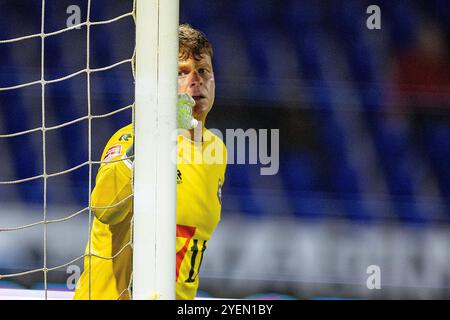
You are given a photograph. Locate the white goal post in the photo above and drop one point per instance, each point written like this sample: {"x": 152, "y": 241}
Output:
{"x": 154, "y": 222}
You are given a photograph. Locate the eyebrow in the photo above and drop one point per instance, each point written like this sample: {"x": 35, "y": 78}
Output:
{"x": 203, "y": 65}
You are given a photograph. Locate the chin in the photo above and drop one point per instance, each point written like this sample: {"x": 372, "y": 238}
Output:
{"x": 200, "y": 109}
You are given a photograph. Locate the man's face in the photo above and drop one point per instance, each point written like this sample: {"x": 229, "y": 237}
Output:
{"x": 196, "y": 77}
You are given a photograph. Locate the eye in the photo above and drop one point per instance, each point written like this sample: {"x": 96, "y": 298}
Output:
{"x": 182, "y": 73}
{"x": 202, "y": 71}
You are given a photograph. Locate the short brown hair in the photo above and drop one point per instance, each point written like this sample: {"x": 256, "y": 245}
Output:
{"x": 192, "y": 43}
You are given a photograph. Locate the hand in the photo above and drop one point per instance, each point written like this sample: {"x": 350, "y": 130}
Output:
{"x": 185, "y": 120}
{"x": 184, "y": 112}
{"x": 130, "y": 152}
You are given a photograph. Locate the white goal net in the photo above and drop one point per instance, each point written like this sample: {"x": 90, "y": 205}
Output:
{"x": 27, "y": 211}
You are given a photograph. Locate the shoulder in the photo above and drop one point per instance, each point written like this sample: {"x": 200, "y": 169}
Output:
{"x": 118, "y": 143}
{"x": 214, "y": 137}
{"x": 123, "y": 134}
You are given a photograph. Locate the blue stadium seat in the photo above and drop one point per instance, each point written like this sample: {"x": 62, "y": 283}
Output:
{"x": 391, "y": 146}
{"x": 437, "y": 139}
{"x": 239, "y": 185}
{"x": 302, "y": 182}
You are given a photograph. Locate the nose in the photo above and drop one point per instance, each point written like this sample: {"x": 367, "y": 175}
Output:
{"x": 195, "y": 79}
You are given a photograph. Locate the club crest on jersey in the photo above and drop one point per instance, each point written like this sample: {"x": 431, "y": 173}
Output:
{"x": 112, "y": 152}
{"x": 219, "y": 191}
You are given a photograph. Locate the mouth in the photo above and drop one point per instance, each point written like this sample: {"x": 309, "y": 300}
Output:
{"x": 198, "y": 97}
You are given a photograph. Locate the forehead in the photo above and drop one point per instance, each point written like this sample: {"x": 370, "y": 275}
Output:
{"x": 205, "y": 59}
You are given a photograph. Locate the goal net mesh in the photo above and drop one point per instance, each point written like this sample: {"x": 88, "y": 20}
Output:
{"x": 64, "y": 102}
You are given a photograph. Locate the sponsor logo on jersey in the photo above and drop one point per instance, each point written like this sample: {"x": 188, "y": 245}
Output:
{"x": 113, "y": 152}
{"x": 125, "y": 137}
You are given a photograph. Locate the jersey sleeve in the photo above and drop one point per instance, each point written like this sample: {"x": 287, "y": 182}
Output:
{"x": 220, "y": 145}
{"x": 225, "y": 160}
{"x": 111, "y": 199}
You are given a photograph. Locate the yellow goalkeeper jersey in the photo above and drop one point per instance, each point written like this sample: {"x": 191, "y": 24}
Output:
{"x": 200, "y": 176}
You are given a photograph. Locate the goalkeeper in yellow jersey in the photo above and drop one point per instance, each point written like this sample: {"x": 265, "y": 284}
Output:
{"x": 107, "y": 274}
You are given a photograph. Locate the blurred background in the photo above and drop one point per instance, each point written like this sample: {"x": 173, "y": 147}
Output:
{"x": 364, "y": 120}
